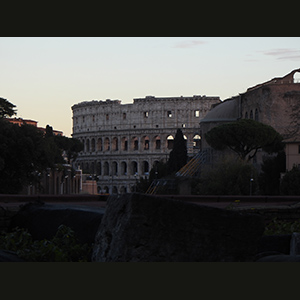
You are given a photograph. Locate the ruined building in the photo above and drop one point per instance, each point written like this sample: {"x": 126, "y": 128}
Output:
{"x": 275, "y": 103}
{"x": 122, "y": 142}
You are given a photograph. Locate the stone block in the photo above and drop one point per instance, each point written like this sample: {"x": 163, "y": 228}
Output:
{"x": 144, "y": 228}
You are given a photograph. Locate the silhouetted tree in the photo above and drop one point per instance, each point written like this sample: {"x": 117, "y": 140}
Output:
{"x": 245, "y": 137}
{"x": 6, "y": 108}
{"x": 178, "y": 155}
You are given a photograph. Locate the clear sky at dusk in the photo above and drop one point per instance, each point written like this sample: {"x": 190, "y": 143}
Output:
{"x": 45, "y": 76}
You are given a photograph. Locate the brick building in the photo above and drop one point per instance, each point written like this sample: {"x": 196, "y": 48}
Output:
{"x": 275, "y": 103}
{"x": 123, "y": 141}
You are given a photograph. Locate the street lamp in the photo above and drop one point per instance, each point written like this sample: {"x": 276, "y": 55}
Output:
{"x": 251, "y": 181}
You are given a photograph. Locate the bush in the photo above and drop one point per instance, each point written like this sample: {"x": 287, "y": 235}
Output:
{"x": 228, "y": 177}
{"x": 281, "y": 227}
{"x": 290, "y": 184}
{"x": 63, "y": 247}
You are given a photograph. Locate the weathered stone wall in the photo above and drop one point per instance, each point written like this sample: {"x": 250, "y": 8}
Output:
{"x": 124, "y": 141}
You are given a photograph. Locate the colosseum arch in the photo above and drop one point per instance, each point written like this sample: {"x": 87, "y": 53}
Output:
{"x": 133, "y": 168}
{"x": 146, "y": 143}
{"x": 170, "y": 142}
{"x": 124, "y": 144}
{"x": 106, "y": 168}
{"x": 87, "y": 145}
{"x": 114, "y": 168}
{"x": 93, "y": 145}
{"x": 106, "y": 144}
{"x": 99, "y": 168}
{"x": 145, "y": 167}
{"x": 196, "y": 141}
{"x": 135, "y": 143}
{"x": 123, "y": 168}
{"x": 115, "y": 144}
{"x": 157, "y": 142}
{"x": 99, "y": 144}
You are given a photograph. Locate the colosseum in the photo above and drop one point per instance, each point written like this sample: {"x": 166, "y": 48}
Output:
{"x": 122, "y": 142}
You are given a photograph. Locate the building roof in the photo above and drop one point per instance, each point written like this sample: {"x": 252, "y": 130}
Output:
{"x": 226, "y": 111}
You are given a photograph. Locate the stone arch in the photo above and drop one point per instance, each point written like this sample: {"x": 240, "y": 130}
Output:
{"x": 106, "y": 168}
{"x": 256, "y": 115}
{"x": 115, "y": 144}
{"x": 123, "y": 189}
{"x": 135, "y": 143}
{"x": 124, "y": 144}
{"x": 99, "y": 168}
{"x": 251, "y": 114}
{"x": 146, "y": 143}
{"x": 170, "y": 142}
{"x": 114, "y": 190}
{"x": 157, "y": 142}
{"x": 133, "y": 167}
{"x": 93, "y": 145}
{"x": 87, "y": 145}
{"x": 196, "y": 141}
{"x": 145, "y": 167}
{"x": 114, "y": 168}
{"x": 106, "y": 144}
{"x": 99, "y": 144}
{"x": 123, "y": 168}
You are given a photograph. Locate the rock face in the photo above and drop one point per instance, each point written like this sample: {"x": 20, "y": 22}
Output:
{"x": 142, "y": 228}
{"x": 43, "y": 220}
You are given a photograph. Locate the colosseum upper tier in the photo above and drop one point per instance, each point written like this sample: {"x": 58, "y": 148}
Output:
{"x": 123, "y": 141}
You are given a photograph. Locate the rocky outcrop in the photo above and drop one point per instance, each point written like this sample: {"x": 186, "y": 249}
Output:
{"x": 43, "y": 220}
{"x": 143, "y": 228}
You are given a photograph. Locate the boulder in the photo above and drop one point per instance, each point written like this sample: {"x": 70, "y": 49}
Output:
{"x": 42, "y": 220}
{"x": 144, "y": 228}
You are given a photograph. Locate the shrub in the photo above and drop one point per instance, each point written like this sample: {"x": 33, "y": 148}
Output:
{"x": 63, "y": 247}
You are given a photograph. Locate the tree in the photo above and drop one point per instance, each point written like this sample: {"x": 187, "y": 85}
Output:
{"x": 245, "y": 137}
{"x": 178, "y": 156}
{"x": 290, "y": 184}
{"x": 6, "y": 108}
{"x": 269, "y": 178}
{"x": 230, "y": 176}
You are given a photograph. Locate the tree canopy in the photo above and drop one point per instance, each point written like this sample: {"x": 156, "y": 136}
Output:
{"x": 245, "y": 137}
{"x": 25, "y": 153}
{"x": 6, "y": 108}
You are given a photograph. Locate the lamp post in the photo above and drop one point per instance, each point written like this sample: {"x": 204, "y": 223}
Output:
{"x": 251, "y": 181}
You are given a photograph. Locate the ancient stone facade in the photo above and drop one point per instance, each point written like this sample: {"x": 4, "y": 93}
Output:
{"x": 123, "y": 141}
{"x": 275, "y": 103}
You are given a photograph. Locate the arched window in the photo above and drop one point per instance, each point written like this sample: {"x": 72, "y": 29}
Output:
{"x": 106, "y": 144}
{"x": 134, "y": 168}
{"x": 246, "y": 115}
{"x": 99, "y": 144}
{"x": 124, "y": 144}
{"x": 114, "y": 168}
{"x": 157, "y": 143}
{"x": 115, "y": 144}
{"x": 99, "y": 168}
{"x": 123, "y": 168}
{"x": 135, "y": 143}
{"x": 145, "y": 167}
{"x": 146, "y": 142}
{"x": 251, "y": 114}
{"x": 170, "y": 142}
{"x": 196, "y": 141}
{"x": 106, "y": 168}
{"x": 256, "y": 115}
{"x": 93, "y": 145}
{"x": 87, "y": 145}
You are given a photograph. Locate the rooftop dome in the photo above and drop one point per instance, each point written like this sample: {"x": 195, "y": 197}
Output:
{"x": 225, "y": 111}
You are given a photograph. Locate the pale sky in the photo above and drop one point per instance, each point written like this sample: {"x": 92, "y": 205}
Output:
{"x": 45, "y": 76}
